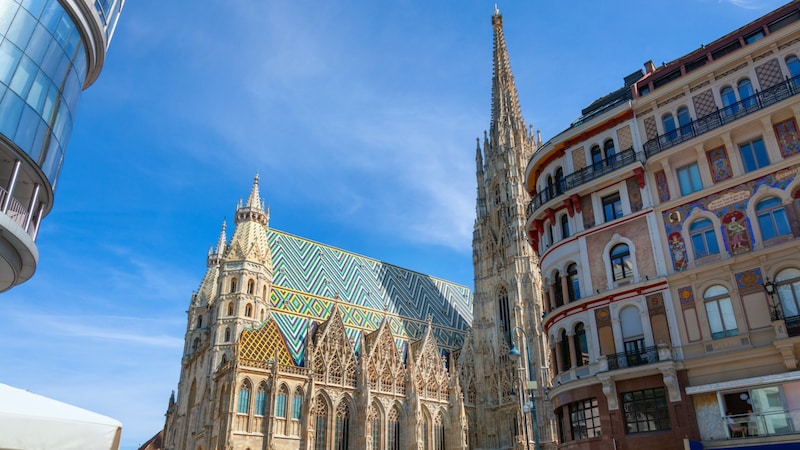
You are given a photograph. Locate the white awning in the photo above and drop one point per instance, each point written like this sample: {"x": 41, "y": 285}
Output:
{"x": 32, "y": 422}
{"x": 744, "y": 383}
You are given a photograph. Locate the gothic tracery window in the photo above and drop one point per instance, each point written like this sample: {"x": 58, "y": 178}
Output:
{"x": 393, "y": 429}
{"x": 343, "y": 426}
{"x": 280, "y": 404}
{"x": 505, "y": 317}
{"x": 244, "y": 398}
{"x": 438, "y": 432}
{"x": 320, "y": 424}
{"x": 374, "y": 421}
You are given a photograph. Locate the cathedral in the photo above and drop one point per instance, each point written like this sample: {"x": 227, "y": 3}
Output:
{"x": 293, "y": 344}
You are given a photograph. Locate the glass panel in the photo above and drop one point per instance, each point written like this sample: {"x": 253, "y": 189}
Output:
{"x": 728, "y": 318}
{"x": 714, "y": 320}
{"x": 794, "y": 65}
{"x": 9, "y": 58}
{"x": 760, "y": 153}
{"x": 711, "y": 241}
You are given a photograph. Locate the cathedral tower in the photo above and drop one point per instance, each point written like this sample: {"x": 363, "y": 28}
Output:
{"x": 507, "y": 307}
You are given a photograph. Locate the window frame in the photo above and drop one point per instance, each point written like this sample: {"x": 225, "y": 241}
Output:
{"x": 622, "y": 259}
{"x": 722, "y": 304}
{"x": 614, "y": 200}
{"x": 754, "y": 154}
{"x": 584, "y": 419}
{"x": 765, "y": 211}
{"x": 649, "y": 401}
{"x": 692, "y": 181}
{"x": 703, "y": 229}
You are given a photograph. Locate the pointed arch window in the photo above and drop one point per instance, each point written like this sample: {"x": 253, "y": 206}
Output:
{"x": 438, "y": 432}
{"x": 227, "y": 334}
{"x": 230, "y": 308}
{"x": 280, "y": 402}
{"x": 233, "y": 285}
{"x": 320, "y": 424}
{"x": 393, "y": 429}
{"x": 374, "y": 420}
{"x": 297, "y": 404}
{"x": 343, "y": 426}
{"x": 248, "y": 310}
{"x": 772, "y": 220}
{"x": 573, "y": 283}
{"x": 505, "y": 316}
{"x": 251, "y": 287}
{"x": 244, "y": 398}
{"x": 261, "y": 400}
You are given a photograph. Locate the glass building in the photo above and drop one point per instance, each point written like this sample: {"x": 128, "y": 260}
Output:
{"x": 50, "y": 51}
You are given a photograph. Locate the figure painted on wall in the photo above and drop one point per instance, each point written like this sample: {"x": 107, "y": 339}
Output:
{"x": 678, "y": 249}
{"x": 737, "y": 236}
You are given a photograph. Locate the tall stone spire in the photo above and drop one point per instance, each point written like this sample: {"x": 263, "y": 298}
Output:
{"x": 507, "y": 130}
{"x": 249, "y": 239}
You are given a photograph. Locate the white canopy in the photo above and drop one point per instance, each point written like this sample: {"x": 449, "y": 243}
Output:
{"x": 33, "y": 422}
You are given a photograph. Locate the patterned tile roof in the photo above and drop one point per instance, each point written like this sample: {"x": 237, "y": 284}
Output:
{"x": 311, "y": 278}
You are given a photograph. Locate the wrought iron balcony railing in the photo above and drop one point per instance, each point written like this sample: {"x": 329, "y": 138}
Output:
{"x": 792, "y": 325}
{"x": 582, "y": 176}
{"x": 726, "y": 115}
{"x": 647, "y": 355}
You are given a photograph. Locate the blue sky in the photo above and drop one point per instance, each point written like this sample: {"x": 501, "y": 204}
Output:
{"x": 360, "y": 118}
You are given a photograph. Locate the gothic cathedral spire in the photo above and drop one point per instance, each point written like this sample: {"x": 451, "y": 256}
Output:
{"x": 507, "y": 281}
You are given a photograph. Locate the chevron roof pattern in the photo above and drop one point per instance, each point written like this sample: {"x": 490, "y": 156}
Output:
{"x": 311, "y": 278}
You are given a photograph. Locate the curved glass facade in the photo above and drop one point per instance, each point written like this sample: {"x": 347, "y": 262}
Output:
{"x": 42, "y": 69}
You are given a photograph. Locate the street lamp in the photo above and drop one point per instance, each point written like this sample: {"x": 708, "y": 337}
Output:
{"x": 514, "y": 353}
{"x": 770, "y": 286}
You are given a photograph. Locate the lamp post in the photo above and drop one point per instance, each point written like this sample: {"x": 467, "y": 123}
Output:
{"x": 770, "y": 286}
{"x": 515, "y": 354}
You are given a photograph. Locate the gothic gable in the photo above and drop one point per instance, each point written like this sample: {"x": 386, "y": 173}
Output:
{"x": 430, "y": 373}
{"x": 333, "y": 360}
{"x": 385, "y": 368}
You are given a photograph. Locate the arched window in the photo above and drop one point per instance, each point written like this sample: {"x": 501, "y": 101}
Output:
{"x": 632, "y": 335}
{"x": 199, "y": 321}
{"x": 393, "y": 429}
{"x": 261, "y": 400}
{"x": 788, "y": 281}
{"x": 342, "y": 426}
{"x": 195, "y": 344}
{"x": 227, "y": 334}
{"x": 230, "y": 308}
{"x": 262, "y": 314}
{"x": 621, "y": 265}
{"x": 669, "y": 126}
{"x": 745, "y": 88}
{"x": 263, "y": 293}
{"x": 565, "y": 226}
{"x": 251, "y": 287}
{"x": 320, "y": 423}
{"x": 551, "y": 189}
{"x": 794, "y": 66}
{"x": 280, "y": 402}
{"x": 244, "y": 398}
{"x": 704, "y": 238}
{"x": 297, "y": 404}
{"x": 684, "y": 120}
{"x": 573, "y": 284}
{"x": 772, "y": 220}
{"x": 558, "y": 290}
{"x": 505, "y": 316}
{"x": 721, "y": 320}
{"x": 438, "y": 432}
{"x": 581, "y": 345}
{"x": 597, "y": 157}
{"x": 233, "y": 284}
{"x": 728, "y": 96}
{"x": 374, "y": 421}
{"x": 565, "y": 353}
{"x": 248, "y": 310}
{"x": 560, "y": 181}
{"x": 610, "y": 151}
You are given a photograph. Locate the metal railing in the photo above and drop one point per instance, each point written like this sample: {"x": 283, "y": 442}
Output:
{"x": 723, "y": 116}
{"x": 16, "y": 211}
{"x": 792, "y": 325}
{"x": 582, "y": 176}
{"x": 768, "y": 423}
{"x": 647, "y": 355}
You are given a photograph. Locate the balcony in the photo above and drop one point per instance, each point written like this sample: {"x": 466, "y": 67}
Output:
{"x": 582, "y": 176}
{"x": 624, "y": 360}
{"x": 792, "y": 325}
{"x": 724, "y": 116}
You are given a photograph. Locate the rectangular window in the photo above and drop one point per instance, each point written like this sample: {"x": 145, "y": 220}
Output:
{"x": 645, "y": 410}
{"x": 297, "y": 405}
{"x": 689, "y": 179}
{"x": 754, "y": 155}
{"x": 261, "y": 402}
{"x": 721, "y": 320}
{"x": 612, "y": 207}
{"x": 584, "y": 419}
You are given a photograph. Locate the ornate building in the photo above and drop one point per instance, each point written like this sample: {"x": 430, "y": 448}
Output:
{"x": 667, "y": 222}
{"x": 292, "y": 344}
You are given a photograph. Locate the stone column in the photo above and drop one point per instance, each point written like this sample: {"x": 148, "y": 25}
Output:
{"x": 565, "y": 288}
{"x": 573, "y": 358}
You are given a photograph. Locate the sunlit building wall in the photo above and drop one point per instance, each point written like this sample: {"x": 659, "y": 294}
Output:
{"x": 50, "y": 51}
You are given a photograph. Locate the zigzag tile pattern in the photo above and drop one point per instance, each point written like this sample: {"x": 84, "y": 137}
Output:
{"x": 311, "y": 278}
